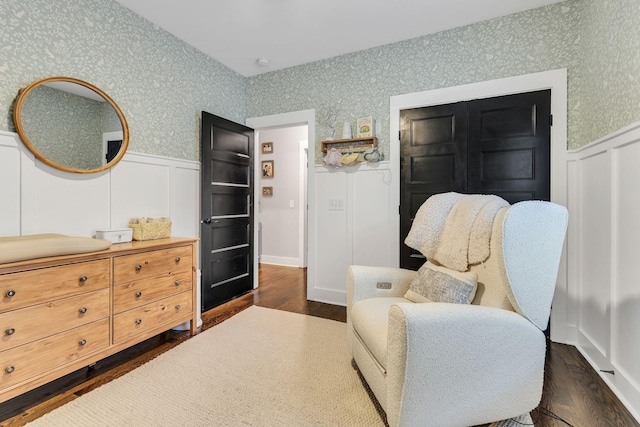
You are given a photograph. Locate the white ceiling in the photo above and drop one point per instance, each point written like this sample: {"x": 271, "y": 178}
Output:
{"x": 293, "y": 32}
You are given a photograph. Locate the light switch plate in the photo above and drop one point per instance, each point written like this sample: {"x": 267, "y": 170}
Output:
{"x": 336, "y": 204}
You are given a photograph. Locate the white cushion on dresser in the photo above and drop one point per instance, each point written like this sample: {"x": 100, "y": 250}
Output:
{"x": 370, "y": 319}
{"x": 19, "y": 248}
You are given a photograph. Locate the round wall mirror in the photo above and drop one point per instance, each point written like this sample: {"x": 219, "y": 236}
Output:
{"x": 71, "y": 125}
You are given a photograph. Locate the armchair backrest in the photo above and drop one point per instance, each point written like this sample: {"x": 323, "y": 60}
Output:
{"x": 521, "y": 272}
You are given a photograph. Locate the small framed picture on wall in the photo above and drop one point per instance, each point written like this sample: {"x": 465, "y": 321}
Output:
{"x": 267, "y": 168}
{"x": 267, "y": 147}
{"x": 267, "y": 191}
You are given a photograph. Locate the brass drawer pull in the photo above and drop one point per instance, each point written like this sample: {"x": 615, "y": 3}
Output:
{"x": 9, "y": 369}
{"x": 177, "y": 282}
{"x": 138, "y": 267}
{"x": 83, "y": 278}
{"x": 138, "y": 294}
{"x": 177, "y": 259}
{"x": 82, "y": 342}
{"x": 178, "y": 307}
{"x": 10, "y": 331}
{"x": 11, "y": 293}
{"x": 138, "y": 321}
{"x": 83, "y": 310}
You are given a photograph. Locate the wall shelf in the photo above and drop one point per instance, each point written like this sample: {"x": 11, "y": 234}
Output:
{"x": 350, "y": 145}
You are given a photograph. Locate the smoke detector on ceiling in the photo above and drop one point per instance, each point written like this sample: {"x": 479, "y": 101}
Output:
{"x": 263, "y": 62}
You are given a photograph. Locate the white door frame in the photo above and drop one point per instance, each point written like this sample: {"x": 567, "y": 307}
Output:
{"x": 556, "y": 80}
{"x": 294, "y": 118}
{"x": 302, "y": 200}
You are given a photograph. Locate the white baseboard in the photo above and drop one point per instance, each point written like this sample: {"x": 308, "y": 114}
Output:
{"x": 623, "y": 389}
{"x": 277, "y": 260}
{"x": 328, "y": 296}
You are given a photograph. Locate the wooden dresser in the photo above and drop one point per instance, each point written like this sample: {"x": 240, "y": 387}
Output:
{"x": 60, "y": 314}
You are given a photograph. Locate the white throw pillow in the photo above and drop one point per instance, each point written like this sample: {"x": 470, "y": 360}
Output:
{"x": 435, "y": 283}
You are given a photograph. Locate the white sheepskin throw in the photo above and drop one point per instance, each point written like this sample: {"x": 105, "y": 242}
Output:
{"x": 455, "y": 229}
{"x": 429, "y": 222}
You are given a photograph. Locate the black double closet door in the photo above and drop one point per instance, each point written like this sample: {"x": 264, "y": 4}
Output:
{"x": 487, "y": 146}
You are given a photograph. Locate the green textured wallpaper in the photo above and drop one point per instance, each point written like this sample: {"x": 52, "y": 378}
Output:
{"x": 162, "y": 84}
{"x": 360, "y": 84}
{"x": 159, "y": 82}
{"x": 610, "y": 72}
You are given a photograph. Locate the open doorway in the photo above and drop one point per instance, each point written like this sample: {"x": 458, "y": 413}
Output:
{"x": 283, "y": 120}
{"x": 281, "y": 197}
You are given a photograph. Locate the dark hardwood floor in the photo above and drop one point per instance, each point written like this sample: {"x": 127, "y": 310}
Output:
{"x": 572, "y": 389}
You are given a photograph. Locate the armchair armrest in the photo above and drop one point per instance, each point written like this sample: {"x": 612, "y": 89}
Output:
{"x": 362, "y": 282}
{"x": 455, "y": 364}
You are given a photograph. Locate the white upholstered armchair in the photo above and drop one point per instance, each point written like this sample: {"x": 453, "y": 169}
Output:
{"x": 445, "y": 364}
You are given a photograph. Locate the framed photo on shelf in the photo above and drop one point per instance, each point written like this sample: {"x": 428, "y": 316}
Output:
{"x": 267, "y": 147}
{"x": 267, "y": 168}
{"x": 267, "y": 191}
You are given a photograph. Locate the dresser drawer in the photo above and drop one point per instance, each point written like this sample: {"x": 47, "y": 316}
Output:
{"x": 142, "y": 319}
{"x": 36, "y": 358}
{"x": 21, "y": 326}
{"x": 141, "y": 292}
{"x": 37, "y": 286}
{"x": 145, "y": 265}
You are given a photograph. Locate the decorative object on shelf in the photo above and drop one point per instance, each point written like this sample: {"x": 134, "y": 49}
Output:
{"x": 267, "y": 147}
{"x": 364, "y": 127}
{"x": 332, "y": 158}
{"x": 346, "y": 131}
{"x": 267, "y": 169}
{"x": 372, "y": 155}
{"x": 150, "y": 227}
{"x": 327, "y": 116}
{"x": 350, "y": 159}
{"x": 267, "y": 191}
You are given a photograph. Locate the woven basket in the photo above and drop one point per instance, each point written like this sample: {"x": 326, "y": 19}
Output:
{"x": 150, "y": 228}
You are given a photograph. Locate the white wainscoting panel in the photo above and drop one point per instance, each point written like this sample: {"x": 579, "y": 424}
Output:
{"x": 147, "y": 193}
{"x": 185, "y": 199}
{"x": 333, "y": 240}
{"x": 41, "y": 199}
{"x": 625, "y": 313}
{"x": 60, "y": 202}
{"x": 604, "y": 245}
{"x": 357, "y": 234}
{"x": 10, "y": 157}
{"x": 595, "y": 250}
{"x": 372, "y": 208}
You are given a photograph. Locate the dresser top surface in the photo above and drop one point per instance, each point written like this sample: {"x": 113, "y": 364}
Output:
{"x": 116, "y": 249}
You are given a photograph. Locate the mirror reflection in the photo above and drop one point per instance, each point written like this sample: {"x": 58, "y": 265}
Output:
{"x": 71, "y": 125}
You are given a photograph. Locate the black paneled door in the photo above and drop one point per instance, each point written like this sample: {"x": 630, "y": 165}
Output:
{"x": 487, "y": 146}
{"x": 226, "y": 208}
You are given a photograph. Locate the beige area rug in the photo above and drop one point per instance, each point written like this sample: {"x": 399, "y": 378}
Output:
{"x": 262, "y": 367}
